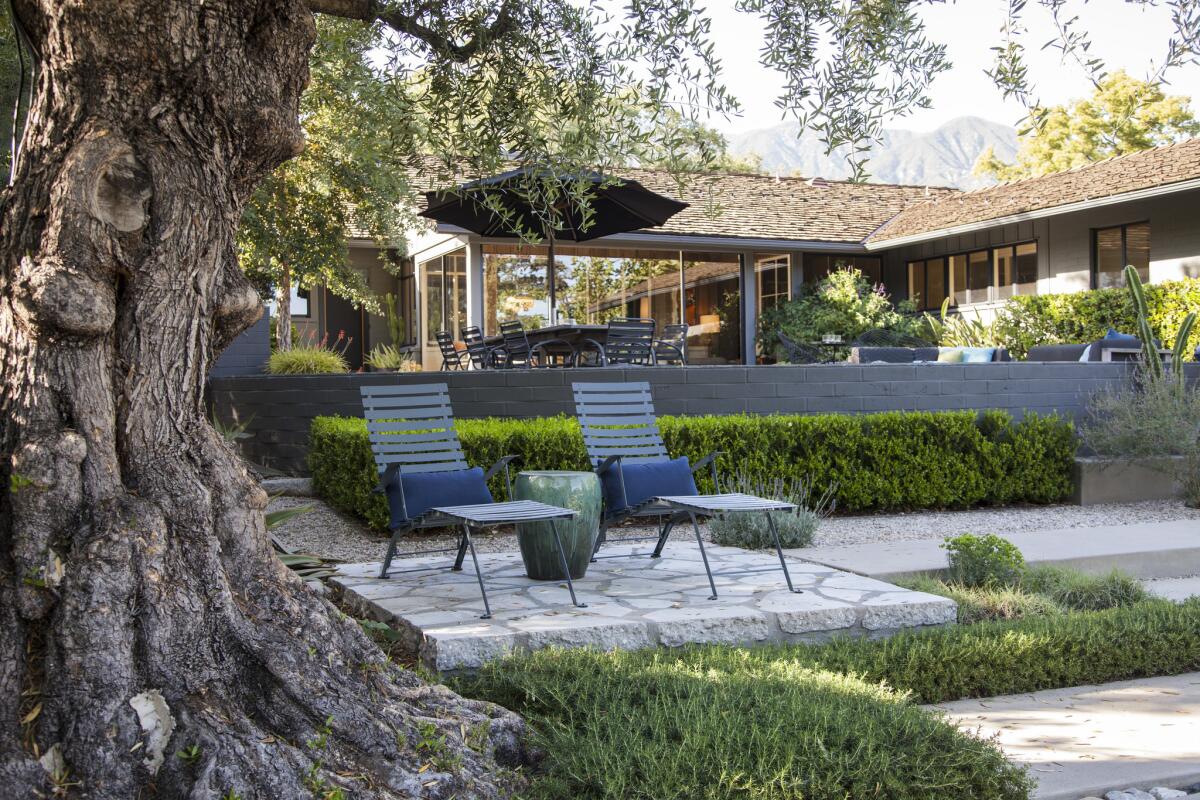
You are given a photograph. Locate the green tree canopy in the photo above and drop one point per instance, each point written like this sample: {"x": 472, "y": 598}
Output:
{"x": 351, "y": 177}
{"x": 1123, "y": 115}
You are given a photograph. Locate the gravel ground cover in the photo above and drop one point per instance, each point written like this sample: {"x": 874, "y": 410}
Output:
{"x": 330, "y": 533}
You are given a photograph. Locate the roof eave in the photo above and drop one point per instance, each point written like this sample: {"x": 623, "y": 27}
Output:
{"x": 689, "y": 240}
{"x": 1041, "y": 213}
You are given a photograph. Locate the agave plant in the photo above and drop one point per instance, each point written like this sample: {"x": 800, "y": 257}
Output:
{"x": 959, "y": 330}
{"x": 385, "y": 356}
{"x": 307, "y": 565}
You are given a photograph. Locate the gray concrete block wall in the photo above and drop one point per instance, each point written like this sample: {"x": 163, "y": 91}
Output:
{"x": 248, "y": 353}
{"x": 279, "y": 408}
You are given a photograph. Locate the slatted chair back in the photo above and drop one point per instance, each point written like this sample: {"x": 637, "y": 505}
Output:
{"x": 629, "y": 340}
{"x": 477, "y": 348}
{"x": 618, "y": 420}
{"x": 516, "y": 342}
{"x": 412, "y": 427}
{"x": 450, "y": 355}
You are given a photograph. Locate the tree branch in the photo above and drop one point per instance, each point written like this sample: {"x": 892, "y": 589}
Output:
{"x": 372, "y": 10}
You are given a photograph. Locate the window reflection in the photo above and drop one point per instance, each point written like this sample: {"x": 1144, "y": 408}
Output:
{"x": 595, "y": 284}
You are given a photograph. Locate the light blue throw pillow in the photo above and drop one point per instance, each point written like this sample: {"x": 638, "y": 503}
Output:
{"x": 978, "y": 355}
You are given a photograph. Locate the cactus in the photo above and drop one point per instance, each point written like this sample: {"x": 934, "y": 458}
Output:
{"x": 1150, "y": 356}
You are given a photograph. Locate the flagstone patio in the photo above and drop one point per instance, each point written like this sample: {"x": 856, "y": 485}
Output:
{"x": 632, "y": 602}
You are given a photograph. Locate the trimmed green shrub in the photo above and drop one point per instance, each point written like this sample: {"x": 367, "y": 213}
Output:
{"x": 1026, "y": 321}
{"x": 876, "y": 462}
{"x": 815, "y": 721}
{"x": 984, "y": 560}
{"x": 306, "y": 361}
{"x": 844, "y": 303}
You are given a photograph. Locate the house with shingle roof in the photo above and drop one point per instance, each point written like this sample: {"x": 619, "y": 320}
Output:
{"x": 747, "y": 242}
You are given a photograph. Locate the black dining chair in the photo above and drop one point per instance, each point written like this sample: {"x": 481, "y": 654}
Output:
{"x": 481, "y": 354}
{"x": 671, "y": 348}
{"x": 516, "y": 352}
{"x": 453, "y": 359}
{"x": 628, "y": 340}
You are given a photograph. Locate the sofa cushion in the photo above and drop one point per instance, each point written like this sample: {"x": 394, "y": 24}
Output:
{"x": 978, "y": 355}
{"x": 645, "y": 481}
{"x": 426, "y": 490}
{"x": 950, "y": 355}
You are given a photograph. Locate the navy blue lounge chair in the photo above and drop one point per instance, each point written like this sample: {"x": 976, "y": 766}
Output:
{"x": 428, "y": 482}
{"x": 640, "y": 479}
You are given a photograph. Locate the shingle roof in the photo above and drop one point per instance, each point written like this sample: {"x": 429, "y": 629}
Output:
{"x": 749, "y": 206}
{"x": 1115, "y": 176}
{"x": 763, "y": 207}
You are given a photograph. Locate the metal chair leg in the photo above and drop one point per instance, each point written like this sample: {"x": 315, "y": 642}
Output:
{"x": 779, "y": 550}
{"x": 562, "y": 558}
{"x": 700, "y": 541}
{"x": 391, "y": 552}
{"x": 600, "y": 537}
{"x": 462, "y": 553}
{"x": 663, "y": 533}
{"x": 487, "y": 609}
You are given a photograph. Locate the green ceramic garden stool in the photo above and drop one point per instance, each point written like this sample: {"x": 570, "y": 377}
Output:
{"x": 578, "y": 491}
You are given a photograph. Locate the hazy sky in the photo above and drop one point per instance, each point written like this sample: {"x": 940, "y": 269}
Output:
{"x": 1124, "y": 35}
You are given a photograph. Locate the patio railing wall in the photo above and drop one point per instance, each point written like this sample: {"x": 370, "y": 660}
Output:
{"x": 278, "y": 409}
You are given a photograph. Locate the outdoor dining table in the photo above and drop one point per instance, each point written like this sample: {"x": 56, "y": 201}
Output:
{"x": 573, "y": 333}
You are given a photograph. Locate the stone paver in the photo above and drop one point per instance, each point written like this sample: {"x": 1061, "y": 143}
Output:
{"x": 1144, "y": 550}
{"x": 633, "y": 602}
{"x": 1089, "y": 740}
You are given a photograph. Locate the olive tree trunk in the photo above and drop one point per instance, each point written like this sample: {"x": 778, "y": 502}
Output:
{"x": 150, "y": 642}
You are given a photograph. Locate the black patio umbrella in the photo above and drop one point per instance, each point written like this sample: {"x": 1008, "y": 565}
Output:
{"x": 620, "y": 206}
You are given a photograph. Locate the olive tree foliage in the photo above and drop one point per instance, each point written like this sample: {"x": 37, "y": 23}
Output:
{"x": 351, "y": 178}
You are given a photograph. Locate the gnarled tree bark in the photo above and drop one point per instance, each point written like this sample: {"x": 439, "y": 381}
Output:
{"x": 150, "y": 643}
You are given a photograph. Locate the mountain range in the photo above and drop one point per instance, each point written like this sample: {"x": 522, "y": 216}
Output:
{"x": 944, "y": 156}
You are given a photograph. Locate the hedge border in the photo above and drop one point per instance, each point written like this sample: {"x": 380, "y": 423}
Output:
{"x": 891, "y": 461}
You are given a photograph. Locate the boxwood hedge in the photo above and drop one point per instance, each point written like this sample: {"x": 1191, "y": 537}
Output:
{"x": 877, "y": 462}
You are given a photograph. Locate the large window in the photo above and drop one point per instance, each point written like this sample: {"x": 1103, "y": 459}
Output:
{"x": 514, "y": 287}
{"x": 299, "y": 305}
{"x": 595, "y": 284}
{"x": 818, "y": 265}
{"x": 445, "y": 288}
{"x": 712, "y": 287}
{"x": 1117, "y": 246}
{"x": 773, "y": 274}
{"x": 1016, "y": 270}
{"x": 978, "y": 276}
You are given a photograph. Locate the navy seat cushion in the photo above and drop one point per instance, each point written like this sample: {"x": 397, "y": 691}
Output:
{"x": 426, "y": 490}
{"x": 1114, "y": 335}
{"x": 645, "y": 481}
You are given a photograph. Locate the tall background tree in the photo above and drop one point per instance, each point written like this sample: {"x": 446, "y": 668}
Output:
{"x": 1123, "y": 115}
{"x": 150, "y": 642}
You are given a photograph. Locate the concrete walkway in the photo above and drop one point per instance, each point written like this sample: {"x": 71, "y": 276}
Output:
{"x": 1092, "y": 739}
{"x": 1176, "y": 589}
{"x": 1145, "y": 550}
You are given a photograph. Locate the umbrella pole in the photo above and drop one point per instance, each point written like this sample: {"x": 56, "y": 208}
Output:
{"x": 553, "y": 280}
